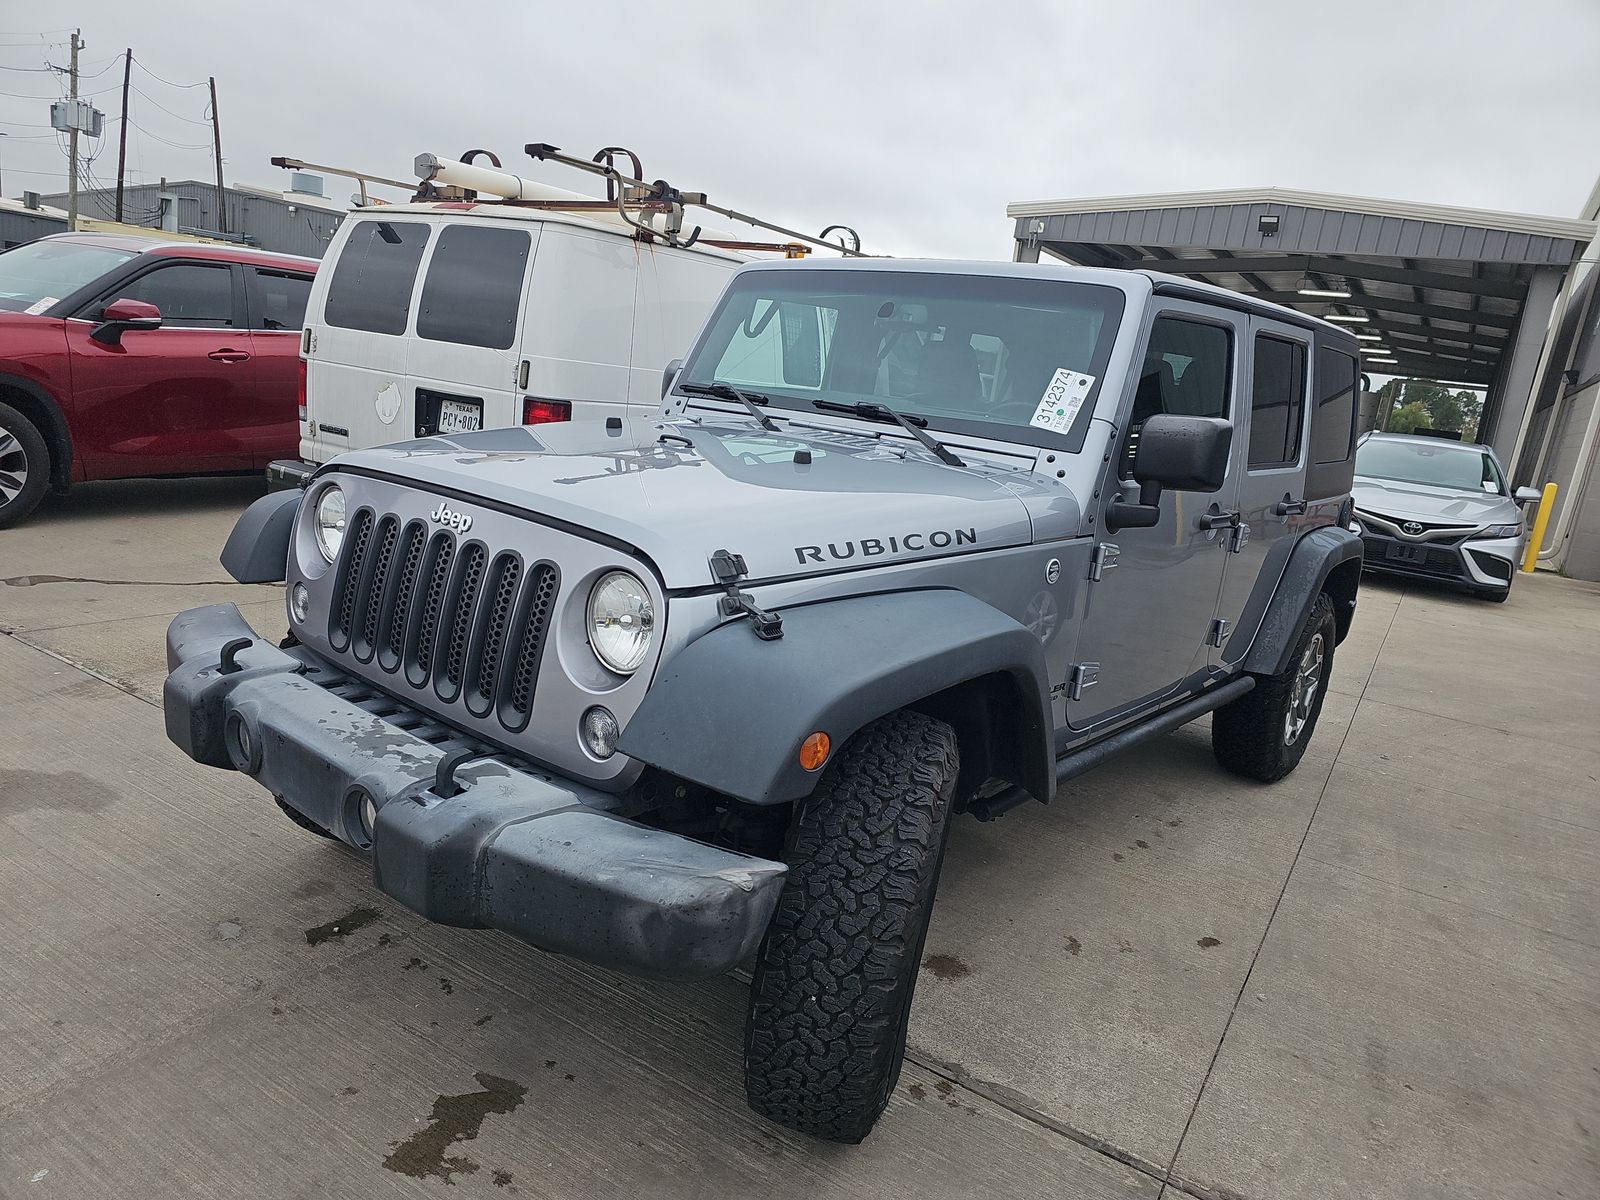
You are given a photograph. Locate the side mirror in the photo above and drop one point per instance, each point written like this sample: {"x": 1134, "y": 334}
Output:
{"x": 1527, "y": 495}
{"x": 1187, "y": 454}
{"x": 120, "y": 316}
{"x": 668, "y": 375}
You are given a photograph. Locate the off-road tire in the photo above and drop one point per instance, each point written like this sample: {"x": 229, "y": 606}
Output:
{"x": 303, "y": 821}
{"x": 22, "y": 450}
{"x": 1250, "y": 736}
{"x": 834, "y": 977}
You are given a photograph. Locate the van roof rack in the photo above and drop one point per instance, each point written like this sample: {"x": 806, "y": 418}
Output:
{"x": 654, "y": 210}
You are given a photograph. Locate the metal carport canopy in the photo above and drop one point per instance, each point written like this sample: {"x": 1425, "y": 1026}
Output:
{"x": 1458, "y": 295}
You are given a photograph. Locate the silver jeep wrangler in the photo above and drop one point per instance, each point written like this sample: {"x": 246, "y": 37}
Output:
{"x": 906, "y": 540}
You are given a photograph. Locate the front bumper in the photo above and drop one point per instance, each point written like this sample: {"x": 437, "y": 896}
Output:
{"x": 532, "y": 854}
{"x": 1483, "y": 563}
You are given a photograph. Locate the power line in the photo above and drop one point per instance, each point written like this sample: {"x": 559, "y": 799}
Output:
{"x": 168, "y": 82}
{"x": 163, "y": 107}
{"x": 165, "y": 141}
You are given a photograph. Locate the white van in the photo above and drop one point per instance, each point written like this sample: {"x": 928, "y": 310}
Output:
{"x": 445, "y": 317}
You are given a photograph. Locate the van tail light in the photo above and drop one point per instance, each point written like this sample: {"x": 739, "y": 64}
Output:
{"x": 300, "y": 388}
{"x": 543, "y": 412}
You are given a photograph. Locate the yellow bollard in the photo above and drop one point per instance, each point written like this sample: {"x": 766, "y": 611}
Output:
{"x": 1547, "y": 503}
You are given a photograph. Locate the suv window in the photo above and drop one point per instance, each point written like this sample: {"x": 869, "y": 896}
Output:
{"x": 35, "y": 276}
{"x": 280, "y": 300}
{"x": 1277, "y": 402}
{"x": 474, "y": 286}
{"x": 371, "y": 286}
{"x": 1188, "y": 369}
{"x": 1333, "y": 427}
{"x": 193, "y": 295}
{"x": 779, "y": 341}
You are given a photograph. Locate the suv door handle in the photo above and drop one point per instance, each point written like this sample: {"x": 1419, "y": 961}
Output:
{"x": 1289, "y": 506}
{"x": 228, "y": 356}
{"x": 1217, "y": 519}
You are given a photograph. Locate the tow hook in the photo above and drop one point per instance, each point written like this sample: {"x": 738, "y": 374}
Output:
{"x": 230, "y": 652}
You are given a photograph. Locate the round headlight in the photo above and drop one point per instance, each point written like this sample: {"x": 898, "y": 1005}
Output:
{"x": 329, "y": 521}
{"x": 621, "y": 622}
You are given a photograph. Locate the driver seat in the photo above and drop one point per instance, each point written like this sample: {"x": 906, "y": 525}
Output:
{"x": 948, "y": 371}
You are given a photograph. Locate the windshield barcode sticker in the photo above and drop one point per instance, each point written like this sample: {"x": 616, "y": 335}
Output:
{"x": 33, "y": 310}
{"x": 1059, "y": 405}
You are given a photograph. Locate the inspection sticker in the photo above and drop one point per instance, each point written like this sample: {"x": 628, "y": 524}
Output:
{"x": 33, "y": 310}
{"x": 1059, "y": 405}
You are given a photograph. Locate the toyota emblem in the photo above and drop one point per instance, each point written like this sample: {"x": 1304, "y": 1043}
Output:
{"x": 1412, "y": 527}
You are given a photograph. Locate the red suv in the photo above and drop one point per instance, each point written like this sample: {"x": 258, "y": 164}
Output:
{"x": 124, "y": 356}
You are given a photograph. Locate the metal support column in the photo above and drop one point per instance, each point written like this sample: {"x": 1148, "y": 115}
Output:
{"x": 1515, "y": 401}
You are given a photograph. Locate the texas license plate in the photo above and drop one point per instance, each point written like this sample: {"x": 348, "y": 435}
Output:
{"x": 456, "y": 416}
{"x": 1399, "y": 552}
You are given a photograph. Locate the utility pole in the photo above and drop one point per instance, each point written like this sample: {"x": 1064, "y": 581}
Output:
{"x": 72, "y": 141}
{"x": 216, "y": 141}
{"x": 122, "y": 136}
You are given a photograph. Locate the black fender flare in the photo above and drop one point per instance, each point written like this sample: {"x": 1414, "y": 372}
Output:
{"x": 258, "y": 548}
{"x": 1327, "y": 559}
{"x": 57, "y": 433}
{"x": 730, "y": 711}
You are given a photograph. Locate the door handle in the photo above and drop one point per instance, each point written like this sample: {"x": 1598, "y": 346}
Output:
{"x": 1289, "y": 506}
{"x": 228, "y": 356}
{"x": 1217, "y": 519}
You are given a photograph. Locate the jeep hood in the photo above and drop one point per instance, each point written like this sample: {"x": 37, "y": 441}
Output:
{"x": 682, "y": 491}
{"x": 1436, "y": 505}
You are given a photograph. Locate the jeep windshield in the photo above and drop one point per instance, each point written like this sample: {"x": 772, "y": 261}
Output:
{"x": 1440, "y": 464}
{"x": 999, "y": 356}
{"x": 35, "y": 276}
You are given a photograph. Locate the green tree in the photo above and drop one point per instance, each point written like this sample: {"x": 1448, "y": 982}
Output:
{"x": 1407, "y": 418}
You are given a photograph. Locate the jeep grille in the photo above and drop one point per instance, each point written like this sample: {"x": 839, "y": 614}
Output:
{"x": 453, "y": 613}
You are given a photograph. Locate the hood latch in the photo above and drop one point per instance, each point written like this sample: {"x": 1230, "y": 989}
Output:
{"x": 727, "y": 568}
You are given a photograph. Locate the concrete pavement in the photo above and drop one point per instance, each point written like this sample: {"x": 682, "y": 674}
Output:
{"x": 1380, "y": 977}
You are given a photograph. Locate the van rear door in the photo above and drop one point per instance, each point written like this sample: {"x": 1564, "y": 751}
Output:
{"x": 355, "y": 348}
{"x": 463, "y": 363}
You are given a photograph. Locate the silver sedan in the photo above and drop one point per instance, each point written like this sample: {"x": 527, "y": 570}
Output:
{"x": 1436, "y": 509}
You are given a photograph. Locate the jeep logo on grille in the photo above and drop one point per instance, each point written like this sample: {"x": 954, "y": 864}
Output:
{"x": 450, "y": 519}
{"x": 1412, "y": 527}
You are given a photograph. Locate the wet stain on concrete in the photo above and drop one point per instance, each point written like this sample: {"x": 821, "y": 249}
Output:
{"x": 1124, "y": 946}
{"x": 446, "y": 986}
{"x": 1175, "y": 822}
{"x": 416, "y": 964}
{"x": 1142, "y": 844}
{"x": 454, "y": 1119}
{"x": 1118, "y": 857}
{"x": 944, "y": 1087}
{"x": 229, "y": 931}
{"x": 58, "y": 791}
{"x": 946, "y": 966}
{"x": 917, "y": 1091}
{"x": 1074, "y": 947}
{"x": 1207, "y": 942}
{"x": 349, "y": 1091}
{"x": 341, "y": 927}
{"x": 312, "y": 888}
{"x": 384, "y": 939}
{"x": 502, "y": 1178}
{"x": 485, "y": 1019}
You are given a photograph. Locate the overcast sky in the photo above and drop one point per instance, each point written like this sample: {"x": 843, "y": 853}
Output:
{"x": 914, "y": 122}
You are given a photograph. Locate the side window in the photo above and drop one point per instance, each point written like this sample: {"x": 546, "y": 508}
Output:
{"x": 189, "y": 295}
{"x": 371, "y": 287}
{"x": 280, "y": 300}
{"x": 1277, "y": 402}
{"x": 1333, "y": 425}
{"x": 1188, "y": 370}
{"x": 474, "y": 286}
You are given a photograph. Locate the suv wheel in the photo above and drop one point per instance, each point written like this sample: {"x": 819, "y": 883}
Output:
{"x": 833, "y": 980}
{"x": 1263, "y": 734}
{"x": 24, "y": 466}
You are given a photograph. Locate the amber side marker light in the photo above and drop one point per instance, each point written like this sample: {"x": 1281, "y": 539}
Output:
{"x": 814, "y": 751}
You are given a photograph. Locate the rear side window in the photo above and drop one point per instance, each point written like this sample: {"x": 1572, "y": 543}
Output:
{"x": 189, "y": 295}
{"x": 280, "y": 299}
{"x": 474, "y": 285}
{"x": 372, "y": 281}
{"x": 1333, "y": 426}
{"x": 1277, "y": 402}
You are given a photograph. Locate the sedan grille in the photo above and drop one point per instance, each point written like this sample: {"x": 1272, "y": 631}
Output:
{"x": 453, "y": 615}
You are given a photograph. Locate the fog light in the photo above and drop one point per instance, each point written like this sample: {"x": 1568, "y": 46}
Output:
{"x": 600, "y": 732}
{"x": 299, "y": 602}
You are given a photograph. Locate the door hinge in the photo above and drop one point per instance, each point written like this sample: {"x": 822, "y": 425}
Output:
{"x": 1105, "y": 557}
{"x": 727, "y": 568}
{"x": 1238, "y": 538}
{"x": 1218, "y": 634}
{"x": 1080, "y": 677}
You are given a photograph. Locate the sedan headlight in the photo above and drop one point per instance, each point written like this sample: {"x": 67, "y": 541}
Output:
{"x": 328, "y": 521}
{"x": 621, "y": 622}
{"x": 1500, "y": 531}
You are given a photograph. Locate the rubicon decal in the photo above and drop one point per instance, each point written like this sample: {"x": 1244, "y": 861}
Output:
{"x": 450, "y": 519}
{"x": 939, "y": 539}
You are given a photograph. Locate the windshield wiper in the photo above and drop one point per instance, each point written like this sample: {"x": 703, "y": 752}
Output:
{"x": 726, "y": 391}
{"x": 911, "y": 424}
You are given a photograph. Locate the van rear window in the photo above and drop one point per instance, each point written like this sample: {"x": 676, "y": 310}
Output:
{"x": 474, "y": 285}
{"x": 371, "y": 287}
